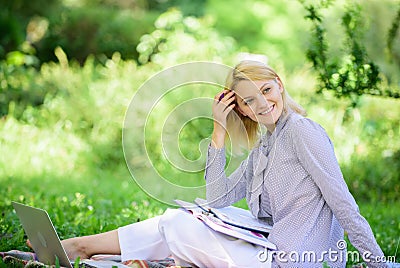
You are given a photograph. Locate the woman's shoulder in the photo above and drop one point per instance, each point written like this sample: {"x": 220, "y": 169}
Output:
{"x": 301, "y": 123}
{"x": 298, "y": 124}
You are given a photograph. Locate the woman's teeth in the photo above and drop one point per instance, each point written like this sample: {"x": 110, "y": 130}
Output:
{"x": 269, "y": 110}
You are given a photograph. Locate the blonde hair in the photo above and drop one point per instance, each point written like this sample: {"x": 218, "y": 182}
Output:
{"x": 243, "y": 131}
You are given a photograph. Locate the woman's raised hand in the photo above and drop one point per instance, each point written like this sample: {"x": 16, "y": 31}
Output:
{"x": 224, "y": 102}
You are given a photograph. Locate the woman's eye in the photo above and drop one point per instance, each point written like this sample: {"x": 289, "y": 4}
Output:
{"x": 266, "y": 90}
{"x": 248, "y": 102}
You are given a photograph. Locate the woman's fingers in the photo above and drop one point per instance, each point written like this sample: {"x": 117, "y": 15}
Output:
{"x": 224, "y": 102}
{"x": 225, "y": 98}
{"x": 229, "y": 101}
{"x": 221, "y": 94}
{"x": 229, "y": 108}
{"x": 227, "y": 95}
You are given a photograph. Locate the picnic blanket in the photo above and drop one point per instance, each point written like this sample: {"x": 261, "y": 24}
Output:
{"x": 16, "y": 258}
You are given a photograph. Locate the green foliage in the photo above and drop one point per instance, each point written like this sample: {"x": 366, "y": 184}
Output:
{"x": 14, "y": 18}
{"x": 19, "y": 89}
{"x": 81, "y": 30}
{"x": 194, "y": 8}
{"x": 57, "y": 264}
{"x": 353, "y": 74}
{"x": 194, "y": 37}
{"x": 102, "y": 31}
{"x": 363, "y": 176}
{"x": 28, "y": 8}
{"x": 275, "y": 29}
{"x": 13, "y": 29}
{"x": 244, "y": 27}
{"x": 391, "y": 37}
{"x": 76, "y": 262}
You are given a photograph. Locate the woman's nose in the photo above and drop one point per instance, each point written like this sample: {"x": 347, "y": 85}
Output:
{"x": 261, "y": 101}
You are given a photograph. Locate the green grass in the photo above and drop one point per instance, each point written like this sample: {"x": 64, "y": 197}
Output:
{"x": 77, "y": 206}
{"x": 88, "y": 205}
{"x": 385, "y": 223}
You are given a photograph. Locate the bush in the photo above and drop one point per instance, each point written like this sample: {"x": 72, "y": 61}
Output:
{"x": 354, "y": 73}
{"x": 19, "y": 89}
{"x": 96, "y": 30}
{"x": 177, "y": 39}
{"x": 270, "y": 28}
{"x": 14, "y": 18}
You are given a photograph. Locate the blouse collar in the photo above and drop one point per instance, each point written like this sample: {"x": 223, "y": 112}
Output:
{"x": 268, "y": 137}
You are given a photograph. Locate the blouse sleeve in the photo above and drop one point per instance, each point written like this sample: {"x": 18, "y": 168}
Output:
{"x": 222, "y": 191}
{"x": 315, "y": 151}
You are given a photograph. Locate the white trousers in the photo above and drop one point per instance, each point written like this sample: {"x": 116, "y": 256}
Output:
{"x": 188, "y": 241}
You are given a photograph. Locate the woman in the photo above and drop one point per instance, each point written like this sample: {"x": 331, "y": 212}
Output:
{"x": 291, "y": 178}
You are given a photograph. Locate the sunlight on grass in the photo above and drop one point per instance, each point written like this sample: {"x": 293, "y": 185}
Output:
{"x": 31, "y": 151}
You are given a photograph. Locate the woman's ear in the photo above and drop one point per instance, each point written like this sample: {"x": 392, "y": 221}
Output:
{"x": 279, "y": 82}
{"x": 240, "y": 110}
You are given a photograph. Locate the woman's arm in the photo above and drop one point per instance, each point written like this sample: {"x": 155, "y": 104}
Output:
{"x": 222, "y": 191}
{"x": 315, "y": 152}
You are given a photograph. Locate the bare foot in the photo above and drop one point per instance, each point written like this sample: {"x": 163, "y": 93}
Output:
{"x": 28, "y": 243}
{"x": 75, "y": 248}
{"x": 72, "y": 247}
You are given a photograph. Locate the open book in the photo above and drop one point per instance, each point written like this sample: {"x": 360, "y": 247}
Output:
{"x": 236, "y": 216}
{"x": 232, "y": 221}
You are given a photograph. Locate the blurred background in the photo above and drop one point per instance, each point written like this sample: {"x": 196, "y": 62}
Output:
{"x": 69, "y": 69}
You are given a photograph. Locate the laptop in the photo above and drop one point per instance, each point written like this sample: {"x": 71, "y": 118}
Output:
{"x": 45, "y": 241}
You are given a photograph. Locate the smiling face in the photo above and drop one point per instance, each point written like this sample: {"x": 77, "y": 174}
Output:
{"x": 261, "y": 101}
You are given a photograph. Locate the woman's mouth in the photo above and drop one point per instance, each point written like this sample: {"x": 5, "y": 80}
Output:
{"x": 268, "y": 110}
